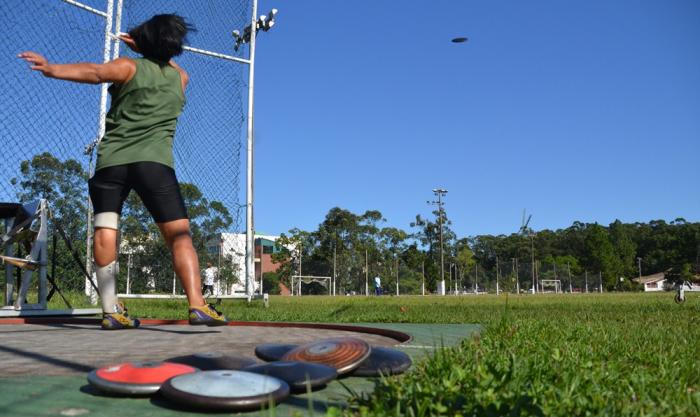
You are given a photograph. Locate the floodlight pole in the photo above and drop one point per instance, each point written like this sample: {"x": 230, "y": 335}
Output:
{"x": 249, "y": 244}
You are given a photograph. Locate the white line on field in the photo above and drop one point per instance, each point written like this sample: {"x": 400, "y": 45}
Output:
{"x": 417, "y": 346}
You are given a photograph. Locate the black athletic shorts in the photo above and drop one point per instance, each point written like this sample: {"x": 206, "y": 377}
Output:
{"x": 155, "y": 183}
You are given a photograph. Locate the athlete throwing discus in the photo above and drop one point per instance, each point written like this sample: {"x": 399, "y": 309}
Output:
{"x": 136, "y": 152}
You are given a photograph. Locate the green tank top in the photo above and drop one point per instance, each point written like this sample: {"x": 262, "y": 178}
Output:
{"x": 141, "y": 121}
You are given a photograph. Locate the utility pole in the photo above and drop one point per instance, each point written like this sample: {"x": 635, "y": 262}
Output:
{"x": 639, "y": 265}
{"x": 568, "y": 268}
{"x": 555, "y": 277}
{"x": 423, "y": 283}
{"x": 476, "y": 278}
{"x": 458, "y": 280}
{"x": 586, "y": 275}
{"x": 366, "y": 274}
{"x": 451, "y": 265}
{"x": 532, "y": 259}
{"x": 300, "y": 254}
{"x": 517, "y": 279}
{"x": 397, "y": 276}
{"x": 439, "y": 192}
{"x": 334, "y": 264}
{"x": 600, "y": 282}
{"x": 497, "y": 276}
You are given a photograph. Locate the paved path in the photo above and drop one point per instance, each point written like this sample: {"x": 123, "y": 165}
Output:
{"x": 74, "y": 349}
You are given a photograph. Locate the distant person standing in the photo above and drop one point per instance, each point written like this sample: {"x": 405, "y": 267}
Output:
{"x": 209, "y": 275}
{"x": 377, "y": 285}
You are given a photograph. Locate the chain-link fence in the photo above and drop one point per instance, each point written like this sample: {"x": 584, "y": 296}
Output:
{"x": 46, "y": 124}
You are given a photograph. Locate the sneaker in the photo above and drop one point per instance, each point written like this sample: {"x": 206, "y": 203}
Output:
{"x": 119, "y": 320}
{"x": 207, "y": 315}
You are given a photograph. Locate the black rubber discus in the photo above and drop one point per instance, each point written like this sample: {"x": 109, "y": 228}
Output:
{"x": 225, "y": 390}
{"x": 301, "y": 376}
{"x": 383, "y": 361}
{"x": 211, "y": 361}
{"x": 135, "y": 378}
{"x": 272, "y": 351}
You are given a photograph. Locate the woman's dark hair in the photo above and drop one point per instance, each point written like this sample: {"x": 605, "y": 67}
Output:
{"x": 162, "y": 36}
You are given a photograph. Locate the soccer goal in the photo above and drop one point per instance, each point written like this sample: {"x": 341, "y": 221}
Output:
{"x": 551, "y": 283}
{"x": 297, "y": 280}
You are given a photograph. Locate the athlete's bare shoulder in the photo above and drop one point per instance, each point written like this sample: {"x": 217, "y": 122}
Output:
{"x": 183, "y": 74}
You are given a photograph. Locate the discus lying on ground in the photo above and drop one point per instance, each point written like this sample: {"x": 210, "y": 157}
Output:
{"x": 210, "y": 361}
{"x": 225, "y": 390}
{"x": 300, "y": 376}
{"x": 383, "y": 361}
{"x": 342, "y": 353}
{"x": 272, "y": 351}
{"x": 136, "y": 378}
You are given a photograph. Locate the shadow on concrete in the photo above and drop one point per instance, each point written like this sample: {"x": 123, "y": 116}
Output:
{"x": 75, "y": 366}
{"x": 156, "y": 329}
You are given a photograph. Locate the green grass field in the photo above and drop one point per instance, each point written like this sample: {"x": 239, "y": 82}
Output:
{"x": 546, "y": 355}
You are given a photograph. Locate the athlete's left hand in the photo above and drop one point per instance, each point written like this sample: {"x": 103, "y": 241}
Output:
{"x": 39, "y": 63}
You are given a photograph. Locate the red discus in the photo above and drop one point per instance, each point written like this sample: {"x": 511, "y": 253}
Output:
{"x": 136, "y": 378}
{"x": 342, "y": 353}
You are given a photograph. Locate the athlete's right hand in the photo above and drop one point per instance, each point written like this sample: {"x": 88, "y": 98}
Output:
{"x": 39, "y": 63}
{"x": 130, "y": 42}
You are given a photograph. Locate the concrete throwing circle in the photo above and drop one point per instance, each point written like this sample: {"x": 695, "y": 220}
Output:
{"x": 300, "y": 376}
{"x": 225, "y": 390}
{"x": 136, "y": 378}
{"x": 211, "y": 361}
{"x": 50, "y": 347}
{"x": 343, "y": 353}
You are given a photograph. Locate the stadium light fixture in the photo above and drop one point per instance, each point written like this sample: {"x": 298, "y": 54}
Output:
{"x": 264, "y": 23}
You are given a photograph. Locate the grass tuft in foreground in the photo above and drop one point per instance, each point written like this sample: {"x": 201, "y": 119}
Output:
{"x": 625, "y": 355}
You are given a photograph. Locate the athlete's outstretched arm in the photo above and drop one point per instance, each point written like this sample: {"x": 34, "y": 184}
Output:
{"x": 118, "y": 71}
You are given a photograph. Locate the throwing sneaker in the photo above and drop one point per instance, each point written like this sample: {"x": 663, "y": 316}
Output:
{"x": 207, "y": 315}
{"x": 119, "y": 319}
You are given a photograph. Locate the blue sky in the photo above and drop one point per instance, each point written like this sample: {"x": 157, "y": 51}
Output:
{"x": 585, "y": 110}
{"x": 572, "y": 110}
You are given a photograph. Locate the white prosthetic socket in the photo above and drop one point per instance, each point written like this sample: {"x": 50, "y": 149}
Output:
{"x": 107, "y": 284}
{"x": 107, "y": 275}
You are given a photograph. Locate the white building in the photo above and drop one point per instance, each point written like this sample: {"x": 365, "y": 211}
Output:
{"x": 654, "y": 282}
{"x": 233, "y": 246}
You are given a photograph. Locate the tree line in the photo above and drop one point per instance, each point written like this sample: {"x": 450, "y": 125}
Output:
{"x": 359, "y": 246}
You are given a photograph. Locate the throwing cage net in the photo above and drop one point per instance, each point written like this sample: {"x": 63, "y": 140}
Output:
{"x": 46, "y": 124}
